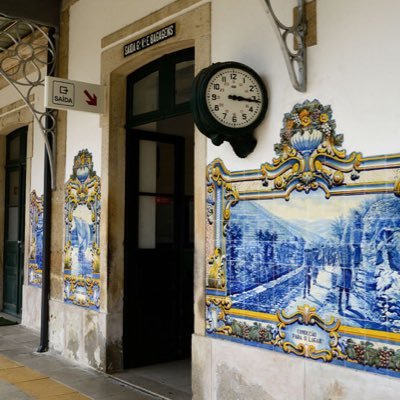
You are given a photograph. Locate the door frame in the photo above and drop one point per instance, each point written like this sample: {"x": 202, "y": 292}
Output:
{"x": 13, "y": 117}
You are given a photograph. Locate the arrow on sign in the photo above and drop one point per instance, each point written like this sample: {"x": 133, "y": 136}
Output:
{"x": 92, "y": 99}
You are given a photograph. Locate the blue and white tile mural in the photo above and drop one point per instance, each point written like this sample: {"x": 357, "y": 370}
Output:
{"x": 340, "y": 258}
{"x": 82, "y": 234}
{"x": 35, "y": 265}
{"x": 305, "y": 251}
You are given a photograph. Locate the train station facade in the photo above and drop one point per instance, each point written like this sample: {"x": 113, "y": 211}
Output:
{"x": 134, "y": 232}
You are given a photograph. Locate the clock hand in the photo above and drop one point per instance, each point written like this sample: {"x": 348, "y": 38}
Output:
{"x": 241, "y": 98}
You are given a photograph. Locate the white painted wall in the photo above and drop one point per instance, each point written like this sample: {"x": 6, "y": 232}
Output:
{"x": 8, "y": 96}
{"x": 354, "y": 68}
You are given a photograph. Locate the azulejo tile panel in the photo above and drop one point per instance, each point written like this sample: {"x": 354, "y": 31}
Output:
{"x": 305, "y": 251}
{"x": 82, "y": 234}
{"x": 35, "y": 265}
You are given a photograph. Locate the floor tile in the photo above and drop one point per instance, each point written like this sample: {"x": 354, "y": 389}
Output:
{"x": 101, "y": 387}
{"x": 5, "y": 363}
{"x": 43, "y": 387}
{"x": 10, "y": 392}
{"x": 68, "y": 396}
{"x": 47, "y": 376}
{"x": 19, "y": 374}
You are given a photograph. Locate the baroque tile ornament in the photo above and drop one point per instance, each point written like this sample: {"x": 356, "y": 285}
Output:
{"x": 304, "y": 252}
{"x": 82, "y": 234}
{"x": 35, "y": 264}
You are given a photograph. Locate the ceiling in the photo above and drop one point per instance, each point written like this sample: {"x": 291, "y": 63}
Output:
{"x": 9, "y": 28}
{"x": 42, "y": 12}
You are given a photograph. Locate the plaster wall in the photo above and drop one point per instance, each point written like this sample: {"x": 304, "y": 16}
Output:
{"x": 225, "y": 371}
{"x": 78, "y": 334}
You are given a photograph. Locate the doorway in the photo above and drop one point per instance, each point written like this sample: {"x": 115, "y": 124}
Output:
{"x": 14, "y": 221}
{"x": 159, "y": 221}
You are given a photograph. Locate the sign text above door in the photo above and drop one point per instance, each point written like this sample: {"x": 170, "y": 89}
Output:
{"x": 150, "y": 40}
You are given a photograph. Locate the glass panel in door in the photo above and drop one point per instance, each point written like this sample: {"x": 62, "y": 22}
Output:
{"x": 156, "y": 194}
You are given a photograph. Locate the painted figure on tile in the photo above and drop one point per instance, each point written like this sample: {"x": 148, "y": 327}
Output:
{"x": 346, "y": 269}
{"x": 388, "y": 245}
{"x": 350, "y": 258}
{"x": 308, "y": 264}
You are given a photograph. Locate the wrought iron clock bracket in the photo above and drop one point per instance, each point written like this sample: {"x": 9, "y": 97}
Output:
{"x": 28, "y": 69}
{"x": 295, "y": 59}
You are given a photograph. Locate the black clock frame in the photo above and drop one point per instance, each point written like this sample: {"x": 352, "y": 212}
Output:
{"x": 241, "y": 138}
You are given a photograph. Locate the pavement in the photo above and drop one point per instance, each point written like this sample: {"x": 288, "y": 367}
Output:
{"x": 25, "y": 374}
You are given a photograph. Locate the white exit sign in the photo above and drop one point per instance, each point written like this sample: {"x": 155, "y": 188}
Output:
{"x": 64, "y": 94}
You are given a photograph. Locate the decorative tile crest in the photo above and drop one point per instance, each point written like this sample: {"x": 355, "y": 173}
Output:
{"x": 308, "y": 154}
{"x": 35, "y": 265}
{"x": 82, "y": 234}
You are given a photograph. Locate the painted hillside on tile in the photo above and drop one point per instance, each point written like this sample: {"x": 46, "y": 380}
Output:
{"x": 82, "y": 234}
{"x": 304, "y": 253}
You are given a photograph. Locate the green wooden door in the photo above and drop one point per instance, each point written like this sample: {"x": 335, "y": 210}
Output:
{"x": 14, "y": 221}
{"x": 158, "y": 276}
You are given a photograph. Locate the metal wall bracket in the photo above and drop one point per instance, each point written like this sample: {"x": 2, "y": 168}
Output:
{"x": 27, "y": 55}
{"x": 295, "y": 59}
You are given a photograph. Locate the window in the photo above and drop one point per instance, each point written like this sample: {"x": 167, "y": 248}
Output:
{"x": 160, "y": 89}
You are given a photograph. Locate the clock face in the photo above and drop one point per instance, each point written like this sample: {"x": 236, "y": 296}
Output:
{"x": 234, "y": 97}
